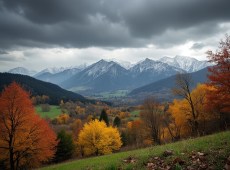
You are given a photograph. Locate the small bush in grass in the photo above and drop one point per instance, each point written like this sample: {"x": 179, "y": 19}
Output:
{"x": 45, "y": 107}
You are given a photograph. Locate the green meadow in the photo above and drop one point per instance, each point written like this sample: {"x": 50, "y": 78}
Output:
{"x": 53, "y": 113}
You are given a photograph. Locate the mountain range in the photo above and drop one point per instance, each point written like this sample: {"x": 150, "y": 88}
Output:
{"x": 162, "y": 88}
{"x": 116, "y": 75}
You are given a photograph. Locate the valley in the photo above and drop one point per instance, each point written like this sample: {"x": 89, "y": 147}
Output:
{"x": 116, "y": 82}
{"x": 114, "y": 85}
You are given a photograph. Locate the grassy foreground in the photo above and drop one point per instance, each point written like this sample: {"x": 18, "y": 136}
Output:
{"x": 213, "y": 151}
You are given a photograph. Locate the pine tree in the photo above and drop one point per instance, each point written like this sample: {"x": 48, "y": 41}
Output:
{"x": 104, "y": 117}
{"x": 117, "y": 121}
{"x": 65, "y": 147}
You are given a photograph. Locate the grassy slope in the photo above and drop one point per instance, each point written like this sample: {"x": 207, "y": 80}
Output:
{"x": 54, "y": 112}
{"x": 217, "y": 148}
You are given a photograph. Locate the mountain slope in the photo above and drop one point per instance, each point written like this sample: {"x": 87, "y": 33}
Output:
{"x": 164, "y": 86}
{"x": 149, "y": 71}
{"x": 186, "y": 63}
{"x": 109, "y": 76}
{"x": 59, "y": 77}
{"x": 100, "y": 76}
{"x": 37, "y": 87}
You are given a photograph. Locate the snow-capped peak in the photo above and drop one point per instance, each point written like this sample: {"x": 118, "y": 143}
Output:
{"x": 101, "y": 67}
{"x": 151, "y": 65}
{"x": 125, "y": 64}
{"x": 188, "y": 64}
{"x": 22, "y": 70}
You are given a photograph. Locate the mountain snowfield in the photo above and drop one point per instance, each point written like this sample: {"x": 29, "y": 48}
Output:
{"x": 152, "y": 65}
{"x": 186, "y": 63}
{"x": 108, "y": 75}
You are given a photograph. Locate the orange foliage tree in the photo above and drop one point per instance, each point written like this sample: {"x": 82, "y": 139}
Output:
{"x": 220, "y": 78}
{"x": 26, "y": 140}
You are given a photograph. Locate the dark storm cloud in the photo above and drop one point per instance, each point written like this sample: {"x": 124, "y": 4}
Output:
{"x": 108, "y": 23}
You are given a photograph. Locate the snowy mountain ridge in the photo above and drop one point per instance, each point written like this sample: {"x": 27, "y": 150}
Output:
{"x": 22, "y": 70}
{"x": 152, "y": 65}
{"x": 188, "y": 64}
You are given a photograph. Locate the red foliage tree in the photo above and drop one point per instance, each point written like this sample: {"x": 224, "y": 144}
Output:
{"x": 220, "y": 78}
{"x": 26, "y": 140}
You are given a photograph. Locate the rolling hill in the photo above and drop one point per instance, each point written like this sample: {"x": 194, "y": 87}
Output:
{"x": 37, "y": 87}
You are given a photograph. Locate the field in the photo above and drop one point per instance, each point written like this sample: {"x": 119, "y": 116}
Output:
{"x": 54, "y": 112}
{"x": 134, "y": 115}
{"x": 211, "y": 151}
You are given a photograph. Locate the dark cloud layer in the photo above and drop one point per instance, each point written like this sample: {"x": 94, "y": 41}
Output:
{"x": 108, "y": 23}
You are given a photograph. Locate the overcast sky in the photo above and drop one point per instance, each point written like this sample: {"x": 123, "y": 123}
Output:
{"x": 45, "y": 33}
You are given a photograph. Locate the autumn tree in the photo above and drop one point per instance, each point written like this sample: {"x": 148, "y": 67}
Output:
{"x": 76, "y": 126}
{"x": 104, "y": 117}
{"x": 26, "y": 140}
{"x": 62, "y": 118}
{"x": 173, "y": 128}
{"x": 220, "y": 78}
{"x": 65, "y": 147}
{"x": 96, "y": 138}
{"x": 181, "y": 112}
{"x": 151, "y": 115}
{"x": 45, "y": 107}
{"x": 136, "y": 134}
{"x": 183, "y": 89}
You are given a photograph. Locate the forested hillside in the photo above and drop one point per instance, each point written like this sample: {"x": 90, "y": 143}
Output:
{"x": 37, "y": 87}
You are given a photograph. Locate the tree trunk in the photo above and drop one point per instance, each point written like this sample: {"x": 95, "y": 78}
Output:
{"x": 11, "y": 159}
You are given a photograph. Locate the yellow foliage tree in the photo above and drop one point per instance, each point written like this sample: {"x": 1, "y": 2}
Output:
{"x": 182, "y": 113}
{"x": 179, "y": 111}
{"x": 63, "y": 118}
{"x": 96, "y": 138}
{"x": 80, "y": 110}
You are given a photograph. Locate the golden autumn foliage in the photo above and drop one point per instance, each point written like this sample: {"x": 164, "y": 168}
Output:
{"x": 182, "y": 113}
{"x": 178, "y": 109}
{"x": 124, "y": 115}
{"x": 80, "y": 110}
{"x": 97, "y": 138}
{"x": 62, "y": 118}
{"x": 26, "y": 140}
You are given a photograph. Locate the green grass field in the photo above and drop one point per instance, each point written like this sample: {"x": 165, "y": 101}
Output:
{"x": 118, "y": 93}
{"x": 135, "y": 113}
{"x": 216, "y": 148}
{"x": 53, "y": 113}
